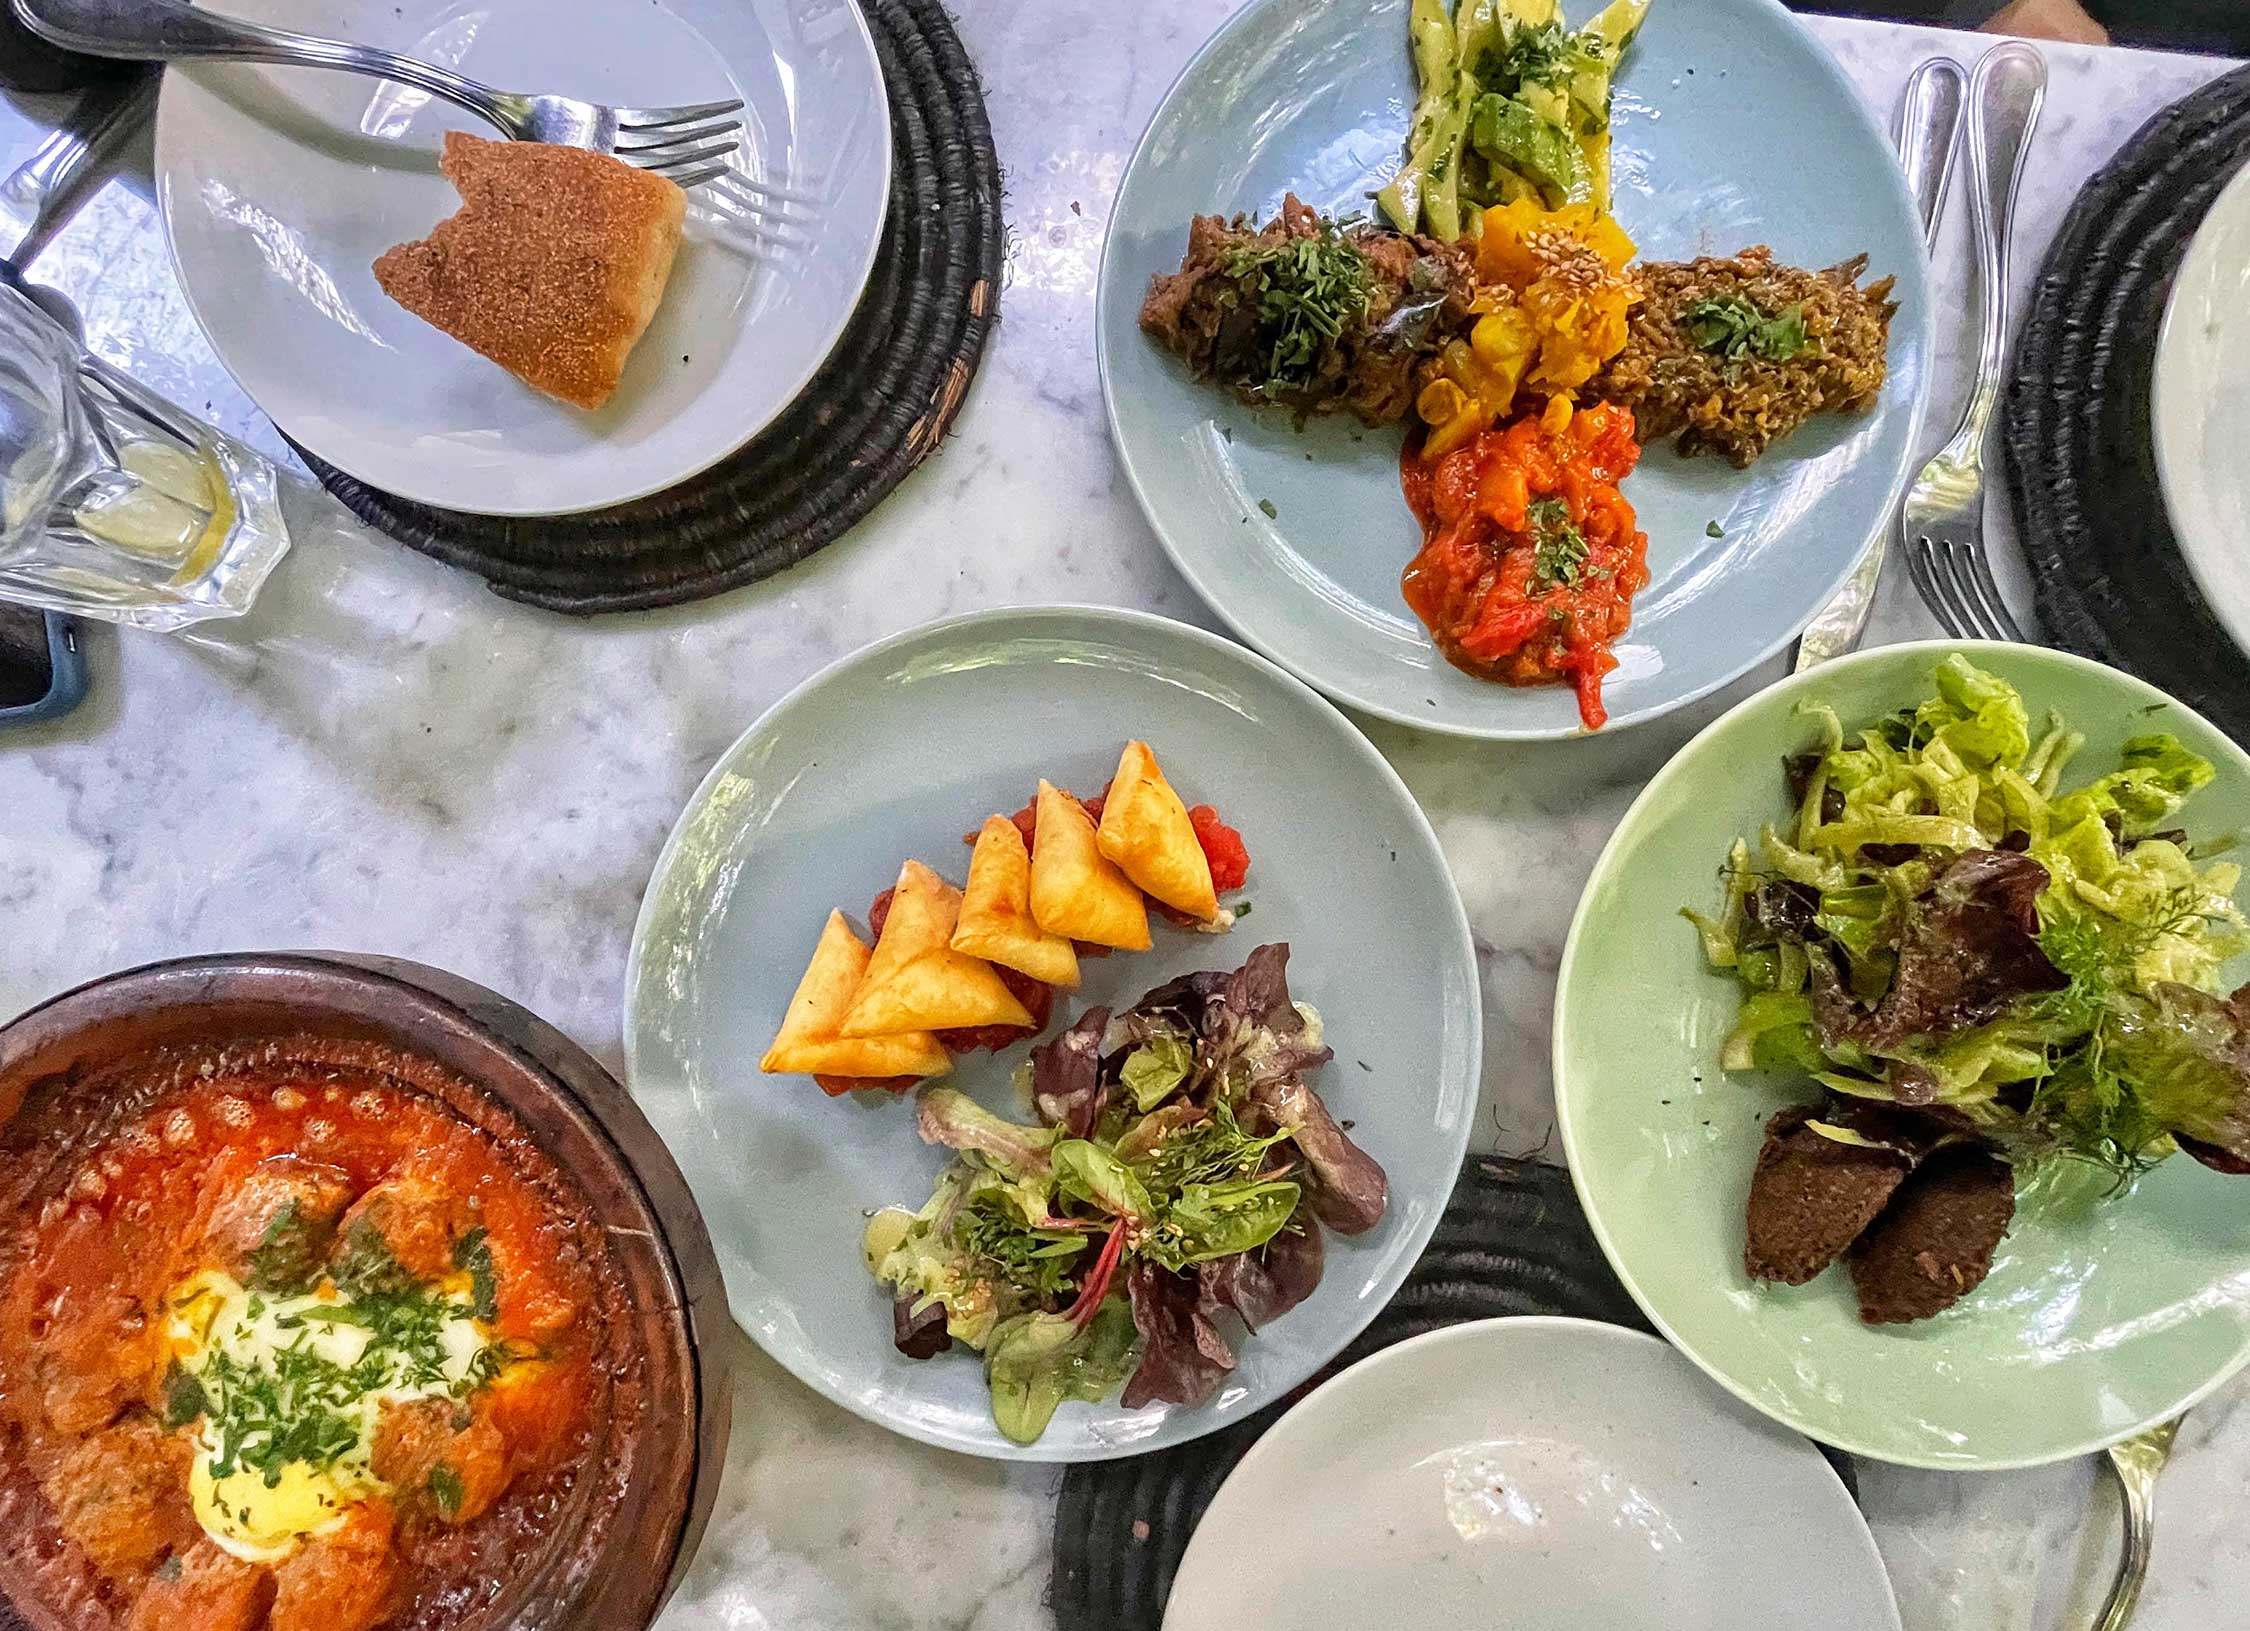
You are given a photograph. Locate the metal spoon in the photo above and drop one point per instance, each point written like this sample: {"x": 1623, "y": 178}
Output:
{"x": 1929, "y": 136}
{"x": 2136, "y": 1462}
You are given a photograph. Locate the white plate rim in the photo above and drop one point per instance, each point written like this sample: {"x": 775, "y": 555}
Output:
{"x": 1909, "y": 459}
{"x": 1486, "y": 1330}
{"x": 1129, "y": 618}
{"x": 630, "y": 492}
{"x": 2175, "y": 414}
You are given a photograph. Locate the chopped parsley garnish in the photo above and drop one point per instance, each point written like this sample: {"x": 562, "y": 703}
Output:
{"x": 1309, "y": 291}
{"x": 366, "y": 1265}
{"x": 286, "y": 1253}
{"x": 263, "y": 1410}
{"x": 473, "y": 1253}
{"x": 1558, "y": 547}
{"x": 1711, "y": 529}
{"x": 1532, "y": 56}
{"x": 1732, "y": 326}
{"x": 183, "y": 1398}
{"x": 301, "y": 1407}
{"x": 1266, "y": 507}
{"x": 445, "y": 1489}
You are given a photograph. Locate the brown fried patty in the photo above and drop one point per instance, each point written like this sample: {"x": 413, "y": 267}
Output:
{"x": 1933, "y": 1245}
{"x": 1810, "y": 1197}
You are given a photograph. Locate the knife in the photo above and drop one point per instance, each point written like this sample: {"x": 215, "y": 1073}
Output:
{"x": 1928, "y": 134}
{"x": 45, "y": 191}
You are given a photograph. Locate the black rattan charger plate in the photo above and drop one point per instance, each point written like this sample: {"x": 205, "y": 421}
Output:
{"x": 2081, "y": 454}
{"x": 878, "y": 407}
{"x": 1513, "y": 1241}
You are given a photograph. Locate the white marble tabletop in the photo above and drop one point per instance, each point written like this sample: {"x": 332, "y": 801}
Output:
{"x": 387, "y": 758}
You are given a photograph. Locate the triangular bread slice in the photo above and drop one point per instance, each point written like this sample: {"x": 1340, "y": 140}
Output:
{"x": 996, "y": 922}
{"x": 916, "y": 981}
{"x": 1145, "y": 829}
{"x": 1074, "y": 892}
{"x": 552, "y": 266}
{"x": 808, "y": 1041}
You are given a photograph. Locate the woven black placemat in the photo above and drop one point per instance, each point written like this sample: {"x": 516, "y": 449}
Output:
{"x": 878, "y": 407}
{"x": 1512, "y": 1241}
{"x": 2111, "y": 582}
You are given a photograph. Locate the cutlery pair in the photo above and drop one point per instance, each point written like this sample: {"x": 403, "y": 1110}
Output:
{"x": 1942, "y": 520}
{"x": 691, "y": 143}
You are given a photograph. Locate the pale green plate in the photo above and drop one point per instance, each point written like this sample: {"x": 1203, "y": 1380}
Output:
{"x": 2097, "y": 1321}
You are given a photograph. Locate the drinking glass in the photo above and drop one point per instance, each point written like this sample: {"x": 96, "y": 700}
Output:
{"x": 114, "y": 503}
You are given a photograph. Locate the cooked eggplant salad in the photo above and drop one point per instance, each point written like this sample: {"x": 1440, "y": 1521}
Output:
{"x": 1180, "y": 1172}
{"x": 1988, "y": 973}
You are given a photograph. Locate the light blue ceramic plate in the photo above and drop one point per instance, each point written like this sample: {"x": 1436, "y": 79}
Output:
{"x": 898, "y": 751}
{"x": 1732, "y": 127}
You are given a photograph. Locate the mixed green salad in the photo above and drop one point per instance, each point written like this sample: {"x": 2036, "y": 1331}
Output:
{"x": 1180, "y": 1171}
{"x": 1510, "y": 104}
{"x": 1957, "y": 922}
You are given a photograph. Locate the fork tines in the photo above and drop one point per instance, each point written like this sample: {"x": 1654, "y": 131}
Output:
{"x": 1957, "y": 584}
{"x": 689, "y": 144}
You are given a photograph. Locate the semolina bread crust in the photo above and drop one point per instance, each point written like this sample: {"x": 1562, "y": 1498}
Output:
{"x": 552, "y": 266}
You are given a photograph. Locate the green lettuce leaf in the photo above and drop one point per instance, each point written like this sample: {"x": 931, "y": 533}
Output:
{"x": 1156, "y": 1068}
{"x": 1038, "y": 1360}
{"x": 1218, "y": 1220}
{"x": 2154, "y": 777}
{"x": 1977, "y": 715}
{"x": 1086, "y": 1172}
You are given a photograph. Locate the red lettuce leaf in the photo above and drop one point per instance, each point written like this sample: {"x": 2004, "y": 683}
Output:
{"x": 919, "y": 1335}
{"x": 1968, "y": 950}
{"x": 1348, "y": 1187}
{"x": 1066, "y": 1075}
{"x": 1183, "y": 1355}
{"x": 1265, "y": 1284}
{"x": 1258, "y": 991}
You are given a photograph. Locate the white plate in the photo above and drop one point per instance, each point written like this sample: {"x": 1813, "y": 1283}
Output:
{"x": 280, "y": 187}
{"x": 2200, "y": 407}
{"x": 1543, "y": 1472}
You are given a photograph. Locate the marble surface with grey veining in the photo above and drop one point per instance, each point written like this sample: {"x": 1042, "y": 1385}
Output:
{"x": 386, "y": 758}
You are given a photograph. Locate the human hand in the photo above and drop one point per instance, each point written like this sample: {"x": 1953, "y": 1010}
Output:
{"x": 2064, "y": 20}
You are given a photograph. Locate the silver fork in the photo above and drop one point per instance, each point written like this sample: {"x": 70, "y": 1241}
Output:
{"x": 1943, "y": 519}
{"x": 691, "y": 143}
{"x": 2136, "y": 1462}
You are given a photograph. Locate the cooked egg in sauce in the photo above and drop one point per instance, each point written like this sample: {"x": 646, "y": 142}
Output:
{"x": 290, "y": 1391}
